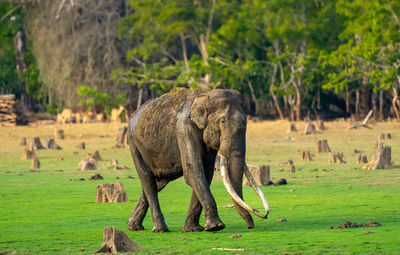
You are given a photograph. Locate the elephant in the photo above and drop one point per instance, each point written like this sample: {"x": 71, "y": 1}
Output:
{"x": 181, "y": 133}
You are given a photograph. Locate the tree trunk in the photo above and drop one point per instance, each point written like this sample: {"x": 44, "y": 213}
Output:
{"x": 20, "y": 50}
{"x": 358, "y": 104}
{"x": 139, "y": 100}
{"x": 375, "y": 105}
{"x": 381, "y": 117}
{"x": 271, "y": 90}
{"x": 347, "y": 100}
{"x": 394, "y": 102}
{"x": 298, "y": 102}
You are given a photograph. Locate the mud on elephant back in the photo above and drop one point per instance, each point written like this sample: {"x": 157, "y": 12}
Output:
{"x": 180, "y": 134}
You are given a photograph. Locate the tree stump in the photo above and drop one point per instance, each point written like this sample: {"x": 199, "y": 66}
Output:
{"x": 321, "y": 125}
{"x": 306, "y": 156}
{"x": 35, "y": 163}
{"x": 23, "y": 141}
{"x": 28, "y": 154}
{"x": 88, "y": 164}
{"x": 292, "y": 128}
{"x": 292, "y": 168}
{"x": 384, "y": 136}
{"x": 81, "y": 146}
{"x": 113, "y": 163}
{"x": 59, "y": 134}
{"x": 336, "y": 157}
{"x": 361, "y": 159}
{"x": 35, "y": 144}
{"x": 260, "y": 174}
{"x": 310, "y": 128}
{"x": 122, "y": 137}
{"x": 322, "y": 146}
{"x": 50, "y": 144}
{"x": 115, "y": 241}
{"x": 111, "y": 193}
{"x": 96, "y": 156}
{"x": 382, "y": 158}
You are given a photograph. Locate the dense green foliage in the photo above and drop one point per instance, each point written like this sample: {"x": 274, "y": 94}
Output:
{"x": 52, "y": 212}
{"x": 12, "y": 23}
{"x": 8, "y": 73}
{"x": 290, "y": 58}
{"x": 293, "y": 53}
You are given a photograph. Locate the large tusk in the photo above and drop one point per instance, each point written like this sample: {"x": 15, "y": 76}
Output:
{"x": 235, "y": 196}
{"x": 257, "y": 189}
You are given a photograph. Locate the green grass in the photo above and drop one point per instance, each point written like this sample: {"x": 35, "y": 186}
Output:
{"x": 52, "y": 212}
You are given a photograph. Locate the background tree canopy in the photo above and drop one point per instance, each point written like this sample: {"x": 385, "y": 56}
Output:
{"x": 290, "y": 59}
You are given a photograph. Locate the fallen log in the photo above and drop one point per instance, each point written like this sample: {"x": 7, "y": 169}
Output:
{"x": 364, "y": 123}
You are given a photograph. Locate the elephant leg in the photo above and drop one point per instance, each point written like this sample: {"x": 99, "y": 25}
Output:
{"x": 192, "y": 219}
{"x": 195, "y": 174}
{"x": 193, "y": 216}
{"x": 138, "y": 213}
{"x": 149, "y": 186}
{"x": 140, "y": 210}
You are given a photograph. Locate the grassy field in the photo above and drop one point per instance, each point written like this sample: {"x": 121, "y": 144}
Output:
{"x": 52, "y": 212}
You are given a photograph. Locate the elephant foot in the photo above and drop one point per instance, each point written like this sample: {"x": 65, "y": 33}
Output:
{"x": 133, "y": 226}
{"x": 192, "y": 228}
{"x": 214, "y": 226}
{"x": 160, "y": 229}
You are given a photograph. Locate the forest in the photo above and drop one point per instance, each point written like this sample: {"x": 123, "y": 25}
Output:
{"x": 290, "y": 59}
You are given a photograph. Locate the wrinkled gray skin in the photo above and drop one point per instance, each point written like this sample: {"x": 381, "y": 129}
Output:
{"x": 179, "y": 134}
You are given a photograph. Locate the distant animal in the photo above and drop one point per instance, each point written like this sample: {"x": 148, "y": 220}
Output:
{"x": 65, "y": 116}
{"x": 115, "y": 114}
{"x": 181, "y": 133}
{"x": 100, "y": 117}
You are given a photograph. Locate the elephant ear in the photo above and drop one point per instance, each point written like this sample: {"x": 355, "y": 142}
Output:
{"x": 198, "y": 112}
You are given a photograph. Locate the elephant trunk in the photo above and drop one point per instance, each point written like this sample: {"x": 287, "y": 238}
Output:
{"x": 233, "y": 178}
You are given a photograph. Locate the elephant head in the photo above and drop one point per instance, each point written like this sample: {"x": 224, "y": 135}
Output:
{"x": 220, "y": 116}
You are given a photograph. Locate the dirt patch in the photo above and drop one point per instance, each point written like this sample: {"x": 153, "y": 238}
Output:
{"x": 349, "y": 224}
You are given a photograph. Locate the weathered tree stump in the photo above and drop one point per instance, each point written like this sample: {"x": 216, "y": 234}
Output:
{"x": 50, "y": 144}
{"x": 306, "y": 156}
{"x": 336, "y": 157}
{"x": 322, "y": 146}
{"x": 88, "y": 164}
{"x": 28, "y": 154}
{"x": 113, "y": 163}
{"x": 361, "y": 159}
{"x": 382, "y": 158}
{"x": 261, "y": 174}
{"x": 321, "y": 125}
{"x": 292, "y": 128}
{"x": 35, "y": 163}
{"x": 384, "y": 136}
{"x": 81, "y": 146}
{"x": 35, "y": 144}
{"x": 23, "y": 141}
{"x": 122, "y": 137}
{"x": 111, "y": 193}
{"x": 59, "y": 134}
{"x": 292, "y": 169}
{"x": 115, "y": 241}
{"x": 309, "y": 128}
{"x": 96, "y": 156}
